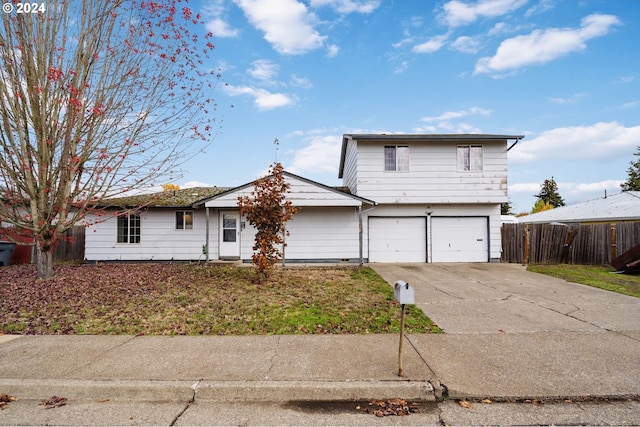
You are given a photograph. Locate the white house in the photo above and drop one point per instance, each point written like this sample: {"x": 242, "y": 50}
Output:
{"x": 407, "y": 198}
{"x": 438, "y": 196}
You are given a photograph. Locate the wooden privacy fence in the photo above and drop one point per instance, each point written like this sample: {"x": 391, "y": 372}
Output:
{"x": 71, "y": 246}
{"x": 595, "y": 244}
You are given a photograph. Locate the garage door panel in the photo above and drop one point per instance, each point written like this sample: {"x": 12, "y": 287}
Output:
{"x": 397, "y": 239}
{"x": 459, "y": 239}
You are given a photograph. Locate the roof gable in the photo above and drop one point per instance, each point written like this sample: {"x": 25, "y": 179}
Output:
{"x": 303, "y": 192}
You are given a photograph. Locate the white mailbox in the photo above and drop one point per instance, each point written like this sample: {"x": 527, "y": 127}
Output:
{"x": 403, "y": 292}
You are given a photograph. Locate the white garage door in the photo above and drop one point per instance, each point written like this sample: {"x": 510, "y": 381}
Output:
{"x": 397, "y": 239}
{"x": 459, "y": 239}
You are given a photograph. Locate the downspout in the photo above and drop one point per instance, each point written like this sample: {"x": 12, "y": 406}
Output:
{"x": 361, "y": 231}
{"x": 360, "y": 234}
{"x": 206, "y": 210}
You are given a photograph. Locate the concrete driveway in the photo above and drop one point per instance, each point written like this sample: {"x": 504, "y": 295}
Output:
{"x": 511, "y": 333}
{"x": 488, "y": 298}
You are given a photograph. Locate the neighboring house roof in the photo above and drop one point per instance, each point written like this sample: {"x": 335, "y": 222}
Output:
{"x": 420, "y": 138}
{"x": 298, "y": 199}
{"x": 623, "y": 206}
{"x": 182, "y": 198}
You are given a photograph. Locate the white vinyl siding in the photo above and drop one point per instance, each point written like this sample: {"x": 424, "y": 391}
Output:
{"x": 159, "y": 238}
{"x": 433, "y": 176}
{"x": 315, "y": 234}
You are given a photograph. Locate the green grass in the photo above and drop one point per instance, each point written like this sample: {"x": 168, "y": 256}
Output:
{"x": 602, "y": 277}
{"x": 163, "y": 299}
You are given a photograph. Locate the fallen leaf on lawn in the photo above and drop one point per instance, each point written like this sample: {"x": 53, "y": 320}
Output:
{"x": 465, "y": 404}
{"x": 54, "y": 402}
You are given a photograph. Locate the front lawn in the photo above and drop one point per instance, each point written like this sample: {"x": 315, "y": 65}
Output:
{"x": 174, "y": 299}
{"x": 602, "y": 277}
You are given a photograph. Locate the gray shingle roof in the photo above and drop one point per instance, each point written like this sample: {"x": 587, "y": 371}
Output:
{"x": 623, "y": 206}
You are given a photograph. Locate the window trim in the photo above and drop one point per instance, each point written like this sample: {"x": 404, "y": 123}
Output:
{"x": 184, "y": 225}
{"x": 467, "y": 163}
{"x": 399, "y": 160}
{"x": 132, "y": 230}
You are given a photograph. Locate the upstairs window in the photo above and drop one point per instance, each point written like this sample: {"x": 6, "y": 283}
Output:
{"x": 396, "y": 158}
{"x": 129, "y": 228}
{"x": 470, "y": 158}
{"x": 184, "y": 220}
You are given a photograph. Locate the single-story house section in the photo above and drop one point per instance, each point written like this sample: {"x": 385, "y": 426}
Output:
{"x": 620, "y": 207}
{"x": 193, "y": 225}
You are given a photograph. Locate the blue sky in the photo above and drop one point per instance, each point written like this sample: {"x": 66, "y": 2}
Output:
{"x": 566, "y": 74}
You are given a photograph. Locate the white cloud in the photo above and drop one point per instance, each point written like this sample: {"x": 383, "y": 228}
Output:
{"x": 456, "y": 13}
{"x": 332, "y": 51}
{"x": 540, "y": 46}
{"x": 596, "y": 142}
{"x": 624, "y": 80}
{"x": 431, "y": 45}
{"x": 287, "y": 24}
{"x": 263, "y": 69}
{"x": 220, "y": 28}
{"x": 263, "y": 99}
{"x": 215, "y": 13}
{"x": 540, "y": 7}
{"x": 632, "y": 104}
{"x": 570, "y": 100}
{"x": 466, "y": 44}
{"x": 448, "y": 115}
{"x": 301, "y": 82}
{"x": 401, "y": 68}
{"x": 318, "y": 156}
{"x": 348, "y": 6}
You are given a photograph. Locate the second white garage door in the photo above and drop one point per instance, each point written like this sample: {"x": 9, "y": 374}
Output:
{"x": 397, "y": 239}
{"x": 459, "y": 239}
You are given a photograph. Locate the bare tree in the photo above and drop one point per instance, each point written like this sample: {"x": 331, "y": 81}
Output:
{"x": 96, "y": 98}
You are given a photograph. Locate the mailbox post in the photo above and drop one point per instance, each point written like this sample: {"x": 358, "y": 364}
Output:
{"x": 404, "y": 294}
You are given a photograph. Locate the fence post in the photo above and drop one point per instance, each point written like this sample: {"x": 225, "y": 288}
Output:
{"x": 526, "y": 243}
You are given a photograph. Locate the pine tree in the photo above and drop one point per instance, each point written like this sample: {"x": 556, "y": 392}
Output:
{"x": 633, "y": 180}
{"x": 506, "y": 208}
{"x": 549, "y": 193}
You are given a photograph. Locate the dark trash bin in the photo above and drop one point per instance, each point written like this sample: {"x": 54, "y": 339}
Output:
{"x": 6, "y": 249}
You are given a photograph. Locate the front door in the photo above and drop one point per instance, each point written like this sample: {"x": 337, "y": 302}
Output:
{"x": 229, "y": 235}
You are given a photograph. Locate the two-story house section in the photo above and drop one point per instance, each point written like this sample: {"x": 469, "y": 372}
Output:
{"x": 438, "y": 196}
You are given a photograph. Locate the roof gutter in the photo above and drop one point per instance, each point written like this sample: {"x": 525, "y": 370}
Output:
{"x": 514, "y": 144}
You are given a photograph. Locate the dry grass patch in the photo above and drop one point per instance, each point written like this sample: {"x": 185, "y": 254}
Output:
{"x": 171, "y": 299}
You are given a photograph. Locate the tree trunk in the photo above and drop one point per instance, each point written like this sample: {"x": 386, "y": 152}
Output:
{"x": 45, "y": 263}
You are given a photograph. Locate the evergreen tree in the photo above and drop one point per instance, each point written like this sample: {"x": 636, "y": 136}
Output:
{"x": 549, "y": 193}
{"x": 506, "y": 208}
{"x": 633, "y": 180}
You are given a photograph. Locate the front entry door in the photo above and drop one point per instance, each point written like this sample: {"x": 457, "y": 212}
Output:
{"x": 229, "y": 235}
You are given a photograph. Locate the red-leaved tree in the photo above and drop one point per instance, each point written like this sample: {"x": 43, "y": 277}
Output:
{"x": 96, "y": 98}
{"x": 268, "y": 210}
